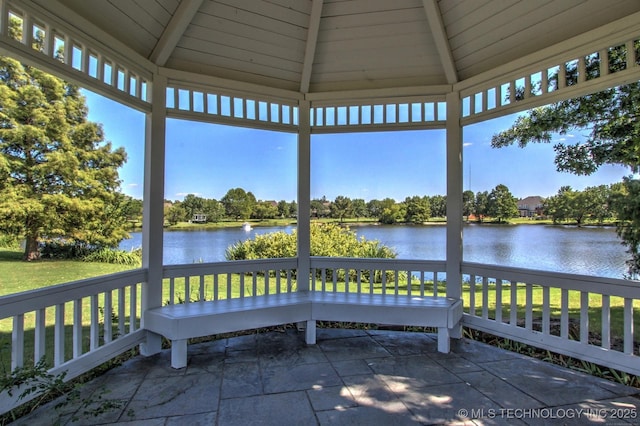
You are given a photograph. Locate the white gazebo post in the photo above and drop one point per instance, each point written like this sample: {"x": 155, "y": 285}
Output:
{"x": 153, "y": 207}
{"x": 304, "y": 195}
{"x": 454, "y": 200}
{"x": 304, "y": 206}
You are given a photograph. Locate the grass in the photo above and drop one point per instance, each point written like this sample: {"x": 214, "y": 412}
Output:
{"x": 18, "y": 276}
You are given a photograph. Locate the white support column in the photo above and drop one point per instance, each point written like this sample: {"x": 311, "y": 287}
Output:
{"x": 454, "y": 200}
{"x": 153, "y": 206}
{"x": 304, "y": 195}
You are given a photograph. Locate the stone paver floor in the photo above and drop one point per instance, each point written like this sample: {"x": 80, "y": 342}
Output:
{"x": 351, "y": 377}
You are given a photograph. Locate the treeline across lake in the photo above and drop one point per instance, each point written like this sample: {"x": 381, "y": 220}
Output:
{"x": 593, "y": 205}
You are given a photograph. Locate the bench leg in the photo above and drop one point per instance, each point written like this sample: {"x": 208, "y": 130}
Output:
{"x": 179, "y": 353}
{"x": 152, "y": 344}
{"x": 443, "y": 340}
{"x": 310, "y": 332}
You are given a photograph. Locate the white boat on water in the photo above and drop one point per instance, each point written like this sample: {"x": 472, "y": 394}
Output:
{"x": 246, "y": 226}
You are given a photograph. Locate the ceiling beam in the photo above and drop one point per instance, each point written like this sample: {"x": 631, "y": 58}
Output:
{"x": 179, "y": 22}
{"x": 441, "y": 40}
{"x": 310, "y": 50}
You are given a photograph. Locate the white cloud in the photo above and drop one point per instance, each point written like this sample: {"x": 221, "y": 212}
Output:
{"x": 183, "y": 194}
{"x": 133, "y": 185}
{"x": 467, "y": 144}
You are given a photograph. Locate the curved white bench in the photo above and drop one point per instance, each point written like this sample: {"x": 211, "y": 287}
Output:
{"x": 181, "y": 322}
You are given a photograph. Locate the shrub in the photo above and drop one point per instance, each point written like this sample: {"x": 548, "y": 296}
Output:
{"x": 119, "y": 257}
{"x": 326, "y": 240}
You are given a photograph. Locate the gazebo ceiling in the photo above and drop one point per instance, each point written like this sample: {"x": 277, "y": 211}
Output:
{"x": 319, "y": 46}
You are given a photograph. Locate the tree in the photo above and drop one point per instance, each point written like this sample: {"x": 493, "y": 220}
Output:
{"x": 611, "y": 118}
{"x": 359, "y": 207}
{"x": 175, "y": 213}
{"x": 559, "y": 206}
{"x": 417, "y": 209}
{"x": 320, "y": 207}
{"x": 481, "y": 205}
{"x": 213, "y": 209}
{"x": 625, "y": 201}
{"x": 61, "y": 177}
{"x": 238, "y": 203}
{"x": 192, "y": 204}
{"x": 341, "y": 208}
{"x": 468, "y": 203}
{"x": 501, "y": 204}
{"x": 265, "y": 210}
{"x": 391, "y": 212}
{"x": 438, "y": 205}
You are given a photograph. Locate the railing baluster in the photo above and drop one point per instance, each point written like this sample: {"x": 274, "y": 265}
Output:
{"x": 121, "y": 311}
{"x": 485, "y": 297}
{"x": 564, "y": 313}
{"x": 335, "y": 280}
{"x": 421, "y": 283}
{"x": 229, "y": 285}
{"x": 77, "y": 328}
{"x": 187, "y": 290}
{"x": 172, "y": 291}
{"x": 39, "y": 349}
{"x": 133, "y": 303}
{"x": 472, "y": 295}
{"x": 359, "y": 280}
{"x": 546, "y": 322}
{"x": 584, "y": 317}
{"x": 498, "y": 315}
{"x": 528, "y": 316}
{"x": 58, "y": 339}
{"x": 346, "y": 279}
{"x": 606, "y": 322}
{"x": 513, "y": 286}
{"x": 254, "y": 283}
{"x": 202, "y": 287}
{"x": 17, "y": 339}
{"x": 435, "y": 284}
{"x": 94, "y": 325}
{"x": 108, "y": 326}
{"x": 215, "y": 286}
{"x": 628, "y": 326}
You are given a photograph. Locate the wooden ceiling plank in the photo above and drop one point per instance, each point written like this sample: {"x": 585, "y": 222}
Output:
{"x": 174, "y": 30}
{"x": 268, "y": 10}
{"x": 441, "y": 40}
{"x": 288, "y": 49}
{"x": 249, "y": 58}
{"x": 215, "y": 11}
{"x": 383, "y": 30}
{"x": 232, "y": 68}
{"x": 140, "y": 16}
{"x": 362, "y": 7}
{"x": 312, "y": 41}
{"x": 331, "y": 23}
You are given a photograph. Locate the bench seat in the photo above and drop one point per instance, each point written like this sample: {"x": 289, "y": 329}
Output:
{"x": 181, "y": 322}
{"x": 197, "y": 319}
{"x": 427, "y": 311}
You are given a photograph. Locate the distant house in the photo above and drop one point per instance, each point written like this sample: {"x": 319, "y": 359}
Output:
{"x": 530, "y": 206}
{"x": 199, "y": 218}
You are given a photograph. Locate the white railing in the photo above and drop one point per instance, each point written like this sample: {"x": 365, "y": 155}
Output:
{"x": 588, "y": 318}
{"x": 75, "y": 326}
{"x": 226, "y": 280}
{"x": 390, "y": 276}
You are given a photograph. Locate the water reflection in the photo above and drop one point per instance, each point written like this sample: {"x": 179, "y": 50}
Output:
{"x": 590, "y": 250}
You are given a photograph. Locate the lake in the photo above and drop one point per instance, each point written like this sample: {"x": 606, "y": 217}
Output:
{"x": 592, "y": 251}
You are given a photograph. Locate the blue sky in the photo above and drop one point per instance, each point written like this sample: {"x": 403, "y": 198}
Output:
{"x": 207, "y": 160}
